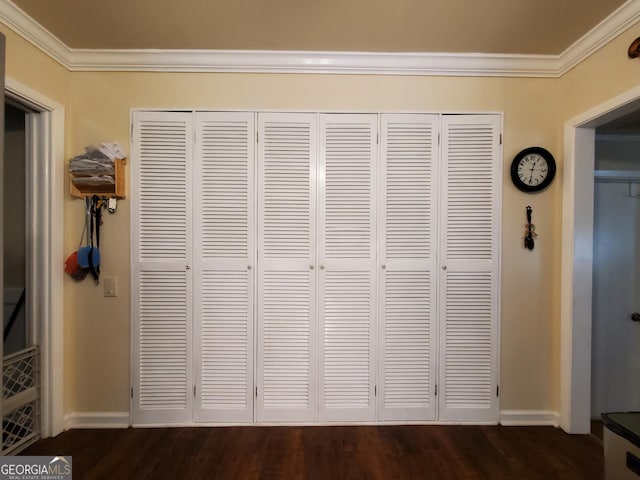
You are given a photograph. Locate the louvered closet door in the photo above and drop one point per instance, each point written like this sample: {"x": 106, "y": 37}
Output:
{"x": 161, "y": 277}
{"x": 347, "y": 260}
{"x": 286, "y": 267}
{"x": 408, "y": 238}
{"x": 470, "y": 239}
{"x": 224, "y": 252}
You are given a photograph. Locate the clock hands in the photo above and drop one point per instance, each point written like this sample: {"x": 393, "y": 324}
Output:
{"x": 532, "y": 169}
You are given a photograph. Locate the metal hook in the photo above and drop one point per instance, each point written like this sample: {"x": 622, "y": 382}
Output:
{"x": 530, "y": 233}
{"x": 629, "y": 192}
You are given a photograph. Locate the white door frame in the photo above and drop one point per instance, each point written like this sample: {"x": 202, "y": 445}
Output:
{"x": 577, "y": 258}
{"x": 45, "y": 247}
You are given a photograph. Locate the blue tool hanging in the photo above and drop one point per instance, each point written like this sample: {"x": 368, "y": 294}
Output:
{"x": 89, "y": 256}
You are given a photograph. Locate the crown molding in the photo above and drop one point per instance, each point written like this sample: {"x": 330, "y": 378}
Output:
{"x": 620, "y": 20}
{"x": 440, "y": 64}
{"x": 472, "y": 64}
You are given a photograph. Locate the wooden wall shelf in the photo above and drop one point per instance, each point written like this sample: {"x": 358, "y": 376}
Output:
{"x": 115, "y": 190}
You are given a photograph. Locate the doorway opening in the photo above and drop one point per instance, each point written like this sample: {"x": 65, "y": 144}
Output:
{"x": 43, "y": 276}
{"x": 615, "y": 359}
{"x": 21, "y": 353}
{"x": 578, "y": 256}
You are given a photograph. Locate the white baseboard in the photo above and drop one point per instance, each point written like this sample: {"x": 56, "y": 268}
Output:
{"x": 122, "y": 420}
{"x": 529, "y": 418}
{"x": 97, "y": 420}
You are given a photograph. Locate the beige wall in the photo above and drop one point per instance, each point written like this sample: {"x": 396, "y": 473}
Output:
{"x": 601, "y": 77}
{"x": 99, "y": 110}
{"x": 97, "y": 329}
{"x": 31, "y": 67}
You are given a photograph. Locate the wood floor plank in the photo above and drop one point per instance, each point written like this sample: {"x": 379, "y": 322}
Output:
{"x": 329, "y": 453}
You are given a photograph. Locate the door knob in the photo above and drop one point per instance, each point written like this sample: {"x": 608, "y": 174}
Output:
{"x": 635, "y": 317}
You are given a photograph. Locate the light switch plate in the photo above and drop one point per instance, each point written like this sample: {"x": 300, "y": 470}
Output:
{"x": 110, "y": 287}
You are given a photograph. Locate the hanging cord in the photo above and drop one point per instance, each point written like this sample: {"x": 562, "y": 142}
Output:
{"x": 95, "y": 271}
{"x": 97, "y": 213}
{"x": 85, "y": 227}
{"x": 530, "y": 232}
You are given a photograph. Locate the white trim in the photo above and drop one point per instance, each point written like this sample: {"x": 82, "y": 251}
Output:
{"x": 608, "y": 29}
{"x": 262, "y": 61}
{"x": 76, "y": 420}
{"x": 512, "y": 418}
{"x": 577, "y": 259}
{"x": 30, "y": 97}
{"x": 304, "y": 424}
{"x": 46, "y": 254}
{"x": 374, "y": 63}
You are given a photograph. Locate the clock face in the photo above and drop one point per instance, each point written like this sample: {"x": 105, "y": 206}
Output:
{"x": 533, "y": 169}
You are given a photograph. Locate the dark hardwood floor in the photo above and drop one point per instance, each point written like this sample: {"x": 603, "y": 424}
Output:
{"x": 329, "y": 453}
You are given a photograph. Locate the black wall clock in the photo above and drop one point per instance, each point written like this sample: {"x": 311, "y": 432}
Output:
{"x": 533, "y": 169}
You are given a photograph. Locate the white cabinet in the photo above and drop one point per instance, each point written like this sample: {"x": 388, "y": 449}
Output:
{"x": 301, "y": 267}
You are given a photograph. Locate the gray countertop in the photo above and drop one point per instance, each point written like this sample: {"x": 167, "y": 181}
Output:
{"x": 625, "y": 424}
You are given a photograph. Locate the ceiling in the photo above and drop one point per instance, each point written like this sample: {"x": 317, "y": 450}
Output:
{"x": 545, "y": 27}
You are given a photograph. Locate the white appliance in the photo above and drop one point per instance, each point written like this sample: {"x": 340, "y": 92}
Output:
{"x": 621, "y": 445}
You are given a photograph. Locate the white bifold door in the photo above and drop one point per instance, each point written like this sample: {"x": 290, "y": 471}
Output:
{"x": 347, "y": 261}
{"x": 301, "y": 267}
{"x": 286, "y": 347}
{"x": 193, "y": 251}
{"x": 316, "y": 267}
{"x": 469, "y": 268}
{"x": 408, "y": 235}
{"x": 162, "y": 278}
{"x": 224, "y": 258}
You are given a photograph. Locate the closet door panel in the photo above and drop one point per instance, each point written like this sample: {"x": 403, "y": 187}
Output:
{"x": 286, "y": 267}
{"x": 161, "y": 257}
{"x": 408, "y": 228}
{"x": 347, "y": 258}
{"x": 224, "y": 226}
{"x": 470, "y": 239}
